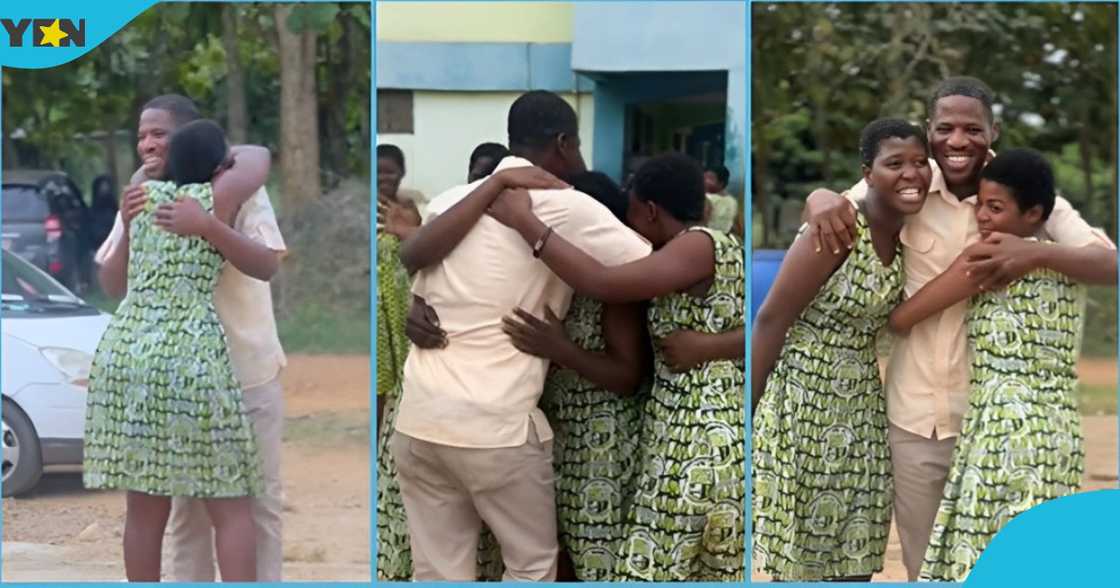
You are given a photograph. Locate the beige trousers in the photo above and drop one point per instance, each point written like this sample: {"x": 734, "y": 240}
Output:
{"x": 921, "y": 467}
{"x": 449, "y": 491}
{"x": 190, "y": 530}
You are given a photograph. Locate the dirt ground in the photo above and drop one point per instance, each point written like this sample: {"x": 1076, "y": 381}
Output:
{"x": 65, "y": 533}
{"x": 1100, "y": 459}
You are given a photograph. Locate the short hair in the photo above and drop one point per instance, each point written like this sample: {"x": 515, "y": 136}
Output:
{"x": 675, "y": 182}
{"x": 1027, "y": 175}
{"x": 537, "y": 117}
{"x": 182, "y": 109}
{"x": 195, "y": 152}
{"x": 494, "y": 151}
{"x": 879, "y": 130}
{"x": 966, "y": 86}
{"x": 602, "y": 188}
{"x": 722, "y": 173}
{"x": 392, "y": 153}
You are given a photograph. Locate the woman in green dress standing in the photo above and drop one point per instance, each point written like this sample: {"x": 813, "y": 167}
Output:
{"x": 1020, "y": 442}
{"x": 163, "y": 422}
{"x": 820, "y": 459}
{"x": 685, "y": 518}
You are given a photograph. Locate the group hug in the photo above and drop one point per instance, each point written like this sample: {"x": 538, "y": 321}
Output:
{"x": 560, "y": 368}
{"x": 975, "y": 266}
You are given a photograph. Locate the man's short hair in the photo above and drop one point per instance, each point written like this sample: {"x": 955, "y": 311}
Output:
{"x": 1027, "y": 175}
{"x": 537, "y": 117}
{"x": 879, "y": 130}
{"x": 966, "y": 86}
{"x": 182, "y": 109}
{"x": 494, "y": 151}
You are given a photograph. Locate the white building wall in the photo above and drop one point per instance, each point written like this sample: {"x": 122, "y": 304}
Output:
{"x": 448, "y": 125}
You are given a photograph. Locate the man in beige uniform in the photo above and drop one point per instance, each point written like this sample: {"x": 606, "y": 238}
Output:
{"x": 470, "y": 443}
{"x": 244, "y": 306}
{"x": 928, "y": 372}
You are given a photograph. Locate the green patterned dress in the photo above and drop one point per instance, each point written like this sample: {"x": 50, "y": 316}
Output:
{"x": 821, "y": 464}
{"x": 685, "y": 521}
{"x": 164, "y": 414}
{"x": 394, "y": 556}
{"x": 1020, "y": 442}
{"x": 595, "y": 447}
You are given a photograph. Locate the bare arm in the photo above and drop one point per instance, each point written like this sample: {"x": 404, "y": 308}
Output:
{"x": 618, "y": 368}
{"x": 801, "y": 276}
{"x": 112, "y": 267}
{"x": 947, "y": 289}
{"x": 683, "y": 262}
{"x": 439, "y": 237}
{"x": 831, "y": 219}
{"x": 1001, "y": 259}
{"x": 683, "y": 350}
{"x": 232, "y": 188}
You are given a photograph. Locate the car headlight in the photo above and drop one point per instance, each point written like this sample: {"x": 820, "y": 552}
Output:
{"x": 73, "y": 364}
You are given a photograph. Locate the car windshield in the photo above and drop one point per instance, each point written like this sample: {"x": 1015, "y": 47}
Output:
{"x": 24, "y": 203}
{"x": 24, "y": 283}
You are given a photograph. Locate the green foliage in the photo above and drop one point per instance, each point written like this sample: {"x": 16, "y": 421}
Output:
{"x": 822, "y": 71}
{"x": 55, "y": 118}
{"x": 1096, "y": 400}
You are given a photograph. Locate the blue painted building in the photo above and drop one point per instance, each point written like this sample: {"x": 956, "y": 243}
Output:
{"x": 644, "y": 77}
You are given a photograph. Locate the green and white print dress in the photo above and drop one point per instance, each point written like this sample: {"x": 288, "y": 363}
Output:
{"x": 394, "y": 555}
{"x": 821, "y": 464}
{"x": 164, "y": 413}
{"x": 685, "y": 521}
{"x": 1020, "y": 442}
{"x": 595, "y": 447}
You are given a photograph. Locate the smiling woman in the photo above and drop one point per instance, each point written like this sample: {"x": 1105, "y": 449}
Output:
{"x": 820, "y": 437}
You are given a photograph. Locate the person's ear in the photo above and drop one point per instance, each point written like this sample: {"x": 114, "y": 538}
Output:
{"x": 1033, "y": 215}
{"x": 866, "y": 173}
{"x": 995, "y": 132}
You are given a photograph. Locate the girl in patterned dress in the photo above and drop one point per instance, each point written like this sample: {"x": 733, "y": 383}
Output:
{"x": 685, "y": 518}
{"x": 161, "y": 422}
{"x": 820, "y": 459}
{"x": 1020, "y": 442}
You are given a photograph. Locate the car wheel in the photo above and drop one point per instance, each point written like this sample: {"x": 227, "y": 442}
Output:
{"x": 23, "y": 459}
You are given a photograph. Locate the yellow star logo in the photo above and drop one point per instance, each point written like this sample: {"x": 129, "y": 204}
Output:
{"x": 52, "y": 34}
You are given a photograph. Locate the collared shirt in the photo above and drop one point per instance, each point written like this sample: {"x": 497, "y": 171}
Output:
{"x": 480, "y": 391}
{"x": 243, "y": 303}
{"x": 928, "y": 372}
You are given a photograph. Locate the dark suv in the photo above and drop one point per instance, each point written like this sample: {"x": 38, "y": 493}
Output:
{"x": 47, "y": 223}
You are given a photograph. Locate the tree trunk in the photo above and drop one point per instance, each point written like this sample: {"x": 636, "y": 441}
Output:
{"x": 299, "y": 122}
{"x": 237, "y": 124}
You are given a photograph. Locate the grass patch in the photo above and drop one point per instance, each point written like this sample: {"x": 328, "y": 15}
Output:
{"x": 329, "y": 429}
{"x": 1097, "y": 400}
{"x": 1100, "y": 323}
{"x": 316, "y": 329}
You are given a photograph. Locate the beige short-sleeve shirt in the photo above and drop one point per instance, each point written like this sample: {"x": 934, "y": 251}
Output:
{"x": 244, "y": 304}
{"x": 480, "y": 391}
{"x": 928, "y": 372}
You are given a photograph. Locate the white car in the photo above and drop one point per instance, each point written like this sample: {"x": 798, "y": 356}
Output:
{"x": 50, "y": 336}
